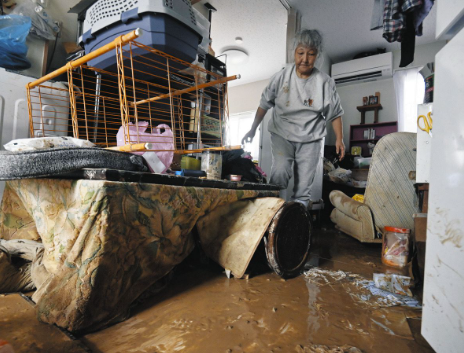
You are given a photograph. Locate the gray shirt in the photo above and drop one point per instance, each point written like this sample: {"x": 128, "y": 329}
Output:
{"x": 302, "y": 107}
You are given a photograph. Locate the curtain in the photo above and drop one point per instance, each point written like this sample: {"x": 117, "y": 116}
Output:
{"x": 410, "y": 90}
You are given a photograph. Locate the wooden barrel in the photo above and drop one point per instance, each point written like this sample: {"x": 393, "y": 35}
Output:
{"x": 288, "y": 239}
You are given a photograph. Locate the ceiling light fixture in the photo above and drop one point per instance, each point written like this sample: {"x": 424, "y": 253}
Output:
{"x": 235, "y": 56}
{"x": 238, "y": 40}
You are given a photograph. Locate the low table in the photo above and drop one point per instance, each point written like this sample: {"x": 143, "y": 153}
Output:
{"x": 110, "y": 235}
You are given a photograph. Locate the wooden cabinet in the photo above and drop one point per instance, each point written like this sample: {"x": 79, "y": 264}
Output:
{"x": 357, "y": 134}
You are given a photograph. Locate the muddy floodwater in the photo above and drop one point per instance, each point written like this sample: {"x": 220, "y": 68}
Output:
{"x": 201, "y": 310}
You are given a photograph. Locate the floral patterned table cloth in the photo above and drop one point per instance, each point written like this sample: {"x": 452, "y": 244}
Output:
{"x": 105, "y": 243}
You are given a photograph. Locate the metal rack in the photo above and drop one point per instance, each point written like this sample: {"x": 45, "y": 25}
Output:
{"x": 149, "y": 90}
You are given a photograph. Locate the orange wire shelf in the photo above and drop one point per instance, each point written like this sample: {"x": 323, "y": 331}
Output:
{"x": 147, "y": 93}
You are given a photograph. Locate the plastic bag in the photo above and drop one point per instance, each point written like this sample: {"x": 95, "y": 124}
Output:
{"x": 393, "y": 283}
{"x": 161, "y": 140}
{"x": 340, "y": 175}
{"x": 200, "y": 76}
{"x": 13, "y": 50}
{"x": 42, "y": 24}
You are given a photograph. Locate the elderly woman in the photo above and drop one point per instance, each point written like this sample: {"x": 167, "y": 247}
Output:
{"x": 304, "y": 100}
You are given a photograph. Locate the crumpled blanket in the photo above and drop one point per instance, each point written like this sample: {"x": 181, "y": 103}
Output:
{"x": 13, "y": 278}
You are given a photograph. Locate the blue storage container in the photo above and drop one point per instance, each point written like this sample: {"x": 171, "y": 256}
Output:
{"x": 160, "y": 31}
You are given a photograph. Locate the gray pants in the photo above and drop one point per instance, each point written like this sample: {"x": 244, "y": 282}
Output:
{"x": 296, "y": 158}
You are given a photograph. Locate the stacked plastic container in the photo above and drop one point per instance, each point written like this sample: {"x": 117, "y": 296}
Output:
{"x": 168, "y": 25}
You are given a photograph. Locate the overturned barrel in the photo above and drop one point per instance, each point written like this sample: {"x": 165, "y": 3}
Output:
{"x": 288, "y": 239}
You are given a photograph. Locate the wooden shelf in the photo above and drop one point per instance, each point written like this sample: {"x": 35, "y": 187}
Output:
{"x": 381, "y": 129}
{"x": 386, "y": 123}
{"x": 364, "y": 108}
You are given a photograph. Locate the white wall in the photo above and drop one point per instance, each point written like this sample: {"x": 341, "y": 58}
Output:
{"x": 351, "y": 95}
{"x": 246, "y": 97}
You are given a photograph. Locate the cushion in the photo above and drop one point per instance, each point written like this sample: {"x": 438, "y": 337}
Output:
{"x": 390, "y": 193}
{"x": 49, "y": 162}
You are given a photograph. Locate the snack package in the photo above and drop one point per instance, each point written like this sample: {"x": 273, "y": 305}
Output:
{"x": 393, "y": 283}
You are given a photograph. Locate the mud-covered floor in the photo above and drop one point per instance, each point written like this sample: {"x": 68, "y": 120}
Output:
{"x": 201, "y": 310}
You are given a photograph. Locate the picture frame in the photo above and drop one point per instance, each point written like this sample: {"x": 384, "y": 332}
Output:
{"x": 365, "y": 100}
{"x": 372, "y": 100}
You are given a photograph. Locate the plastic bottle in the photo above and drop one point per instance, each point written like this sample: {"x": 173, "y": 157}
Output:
{"x": 211, "y": 163}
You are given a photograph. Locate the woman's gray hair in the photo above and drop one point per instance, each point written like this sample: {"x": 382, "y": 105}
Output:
{"x": 310, "y": 38}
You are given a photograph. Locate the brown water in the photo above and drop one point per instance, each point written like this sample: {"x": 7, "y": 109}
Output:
{"x": 203, "y": 311}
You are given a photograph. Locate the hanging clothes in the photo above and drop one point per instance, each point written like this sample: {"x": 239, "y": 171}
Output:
{"x": 408, "y": 42}
{"x": 402, "y": 21}
{"x": 420, "y": 13}
{"x": 394, "y": 18}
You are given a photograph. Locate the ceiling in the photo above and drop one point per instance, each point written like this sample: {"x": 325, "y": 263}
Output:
{"x": 345, "y": 26}
{"x": 262, "y": 26}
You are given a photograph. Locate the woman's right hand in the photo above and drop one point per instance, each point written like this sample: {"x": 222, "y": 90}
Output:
{"x": 260, "y": 113}
{"x": 248, "y": 137}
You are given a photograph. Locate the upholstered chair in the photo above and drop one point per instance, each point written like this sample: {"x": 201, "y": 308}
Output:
{"x": 390, "y": 198}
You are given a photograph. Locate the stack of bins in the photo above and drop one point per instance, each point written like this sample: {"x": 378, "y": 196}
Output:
{"x": 168, "y": 25}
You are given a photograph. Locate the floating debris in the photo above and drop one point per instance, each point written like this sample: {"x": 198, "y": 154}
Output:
{"x": 317, "y": 348}
{"x": 383, "y": 298}
{"x": 393, "y": 283}
{"x": 315, "y": 275}
{"x": 360, "y": 289}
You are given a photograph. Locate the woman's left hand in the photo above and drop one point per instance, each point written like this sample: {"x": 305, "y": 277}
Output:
{"x": 340, "y": 148}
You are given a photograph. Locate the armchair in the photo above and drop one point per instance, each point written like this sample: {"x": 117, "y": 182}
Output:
{"x": 390, "y": 198}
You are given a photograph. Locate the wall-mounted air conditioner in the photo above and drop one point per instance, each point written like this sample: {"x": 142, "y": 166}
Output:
{"x": 371, "y": 68}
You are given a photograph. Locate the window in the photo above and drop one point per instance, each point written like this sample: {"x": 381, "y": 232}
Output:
{"x": 239, "y": 125}
{"x": 410, "y": 90}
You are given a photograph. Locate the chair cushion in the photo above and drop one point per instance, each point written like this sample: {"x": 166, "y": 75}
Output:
{"x": 363, "y": 230}
{"x": 352, "y": 217}
{"x": 347, "y": 205}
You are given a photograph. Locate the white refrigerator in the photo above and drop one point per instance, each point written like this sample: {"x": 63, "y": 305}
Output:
{"x": 443, "y": 312}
